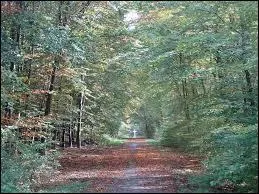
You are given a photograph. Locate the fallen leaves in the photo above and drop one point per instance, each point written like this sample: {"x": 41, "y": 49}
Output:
{"x": 127, "y": 169}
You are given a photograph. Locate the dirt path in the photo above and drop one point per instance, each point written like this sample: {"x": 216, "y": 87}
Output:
{"x": 134, "y": 167}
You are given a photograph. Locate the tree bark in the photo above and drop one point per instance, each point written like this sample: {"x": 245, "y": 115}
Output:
{"x": 70, "y": 133}
{"x": 203, "y": 86}
{"x": 63, "y": 137}
{"x": 80, "y": 106}
{"x": 194, "y": 90}
{"x": 32, "y": 50}
{"x": 73, "y": 134}
{"x": 60, "y": 12}
{"x": 13, "y": 36}
{"x": 16, "y": 33}
{"x": 249, "y": 89}
{"x": 54, "y": 138}
{"x": 185, "y": 94}
{"x": 53, "y": 75}
{"x": 70, "y": 137}
{"x": 51, "y": 88}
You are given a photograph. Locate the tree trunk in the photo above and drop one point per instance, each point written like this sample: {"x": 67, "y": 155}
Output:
{"x": 218, "y": 62}
{"x": 73, "y": 135}
{"x": 16, "y": 33}
{"x": 78, "y": 135}
{"x": 60, "y": 12}
{"x": 91, "y": 132}
{"x": 148, "y": 131}
{"x": 32, "y": 49}
{"x": 249, "y": 89}
{"x": 54, "y": 139}
{"x": 178, "y": 89}
{"x": 70, "y": 138}
{"x": 13, "y": 36}
{"x": 180, "y": 58}
{"x": 63, "y": 137}
{"x": 49, "y": 97}
{"x": 51, "y": 87}
{"x": 194, "y": 90}
{"x": 203, "y": 86}
{"x": 70, "y": 133}
{"x": 185, "y": 94}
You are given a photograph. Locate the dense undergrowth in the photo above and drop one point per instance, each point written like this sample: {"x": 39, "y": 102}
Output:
{"x": 230, "y": 152}
{"x": 23, "y": 165}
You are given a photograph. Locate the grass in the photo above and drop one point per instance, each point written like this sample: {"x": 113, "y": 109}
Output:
{"x": 73, "y": 187}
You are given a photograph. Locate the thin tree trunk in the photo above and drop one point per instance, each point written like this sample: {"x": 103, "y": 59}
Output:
{"x": 63, "y": 137}
{"x": 13, "y": 36}
{"x": 16, "y": 33}
{"x": 218, "y": 62}
{"x": 185, "y": 93}
{"x": 60, "y": 12}
{"x": 73, "y": 135}
{"x": 249, "y": 89}
{"x": 194, "y": 90}
{"x": 178, "y": 89}
{"x": 54, "y": 138}
{"x": 91, "y": 132}
{"x": 32, "y": 49}
{"x": 146, "y": 124}
{"x": 79, "y": 124}
{"x": 70, "y": 134}
{"x": 30, "y": 64}
{"x": 203, "y": 86}
{"x": 180, "y": 58}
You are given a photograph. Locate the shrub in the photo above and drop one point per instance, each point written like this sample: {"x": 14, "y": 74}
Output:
{"x": 233, "y": 161}
{"x": 107, "y": 140}
{"x": 22, "y": 166}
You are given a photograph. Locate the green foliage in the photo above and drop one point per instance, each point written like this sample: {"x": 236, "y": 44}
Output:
{"x": 153, "y": 142}
{"x": 233, "y": 160}
{"x": 175, "y": 134}
{"x": 111, "y": 141}
{"x": 215, "y": 41}
{"x": 22, "y": 166}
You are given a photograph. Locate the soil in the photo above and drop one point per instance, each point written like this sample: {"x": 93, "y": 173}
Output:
{"x": 134, "y": 167}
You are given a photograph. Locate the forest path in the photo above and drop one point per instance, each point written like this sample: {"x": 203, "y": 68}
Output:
{"x": 134, "y": 167}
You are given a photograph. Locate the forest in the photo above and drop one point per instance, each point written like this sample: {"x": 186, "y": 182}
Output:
{"x": 181, "y": 74}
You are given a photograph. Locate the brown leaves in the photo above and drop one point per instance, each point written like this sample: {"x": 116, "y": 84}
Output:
{"x": 32, "y": 122}
{"x": 121, "y": 169}
{"x": 10, "y": 7}
{"x": 67, "y": 72}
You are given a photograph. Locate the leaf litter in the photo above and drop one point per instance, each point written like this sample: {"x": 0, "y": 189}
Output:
{"x": 134, "y": 167}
